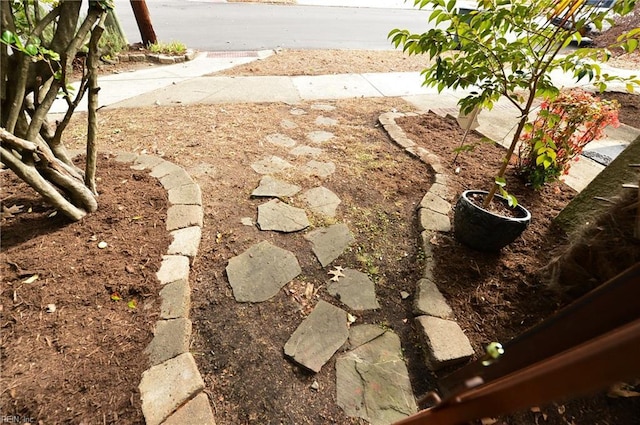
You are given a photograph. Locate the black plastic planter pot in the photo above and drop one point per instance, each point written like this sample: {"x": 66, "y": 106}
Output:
{"x": 483, "y": 230}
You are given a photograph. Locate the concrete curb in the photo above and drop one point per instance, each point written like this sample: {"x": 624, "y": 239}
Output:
{"x": 445, "y": 342}
{"x": 172, "y": 389}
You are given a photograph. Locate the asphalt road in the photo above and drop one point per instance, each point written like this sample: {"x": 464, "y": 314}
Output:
{"x": 212, "y": 26}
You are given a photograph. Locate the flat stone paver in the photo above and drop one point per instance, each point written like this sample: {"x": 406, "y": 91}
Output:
{"x": 185, "y": 195}
{"x": 322, "y": 120}
{"x": 322, "y": 201}
{"x": 280, "y": 217}
{"x": 317, "y": 168}
{"x": 272, "y": 187}
{"x": 318, "y": 337}
{"x": 328, "y": 243}
{"x": 429, "y": 301}
{"x": 171, "y": 338}
{"x": 306, "y": 151}
{"x": 261, "y": 271}
{"x": 372, "y": 381}
{"x": 176, "y": 300}
{"x": 175, "y": 179}
{"x": 181, "y": 216}
{"x": 185, "y": 241}
{"x": 281, "y": 140}
{"x": 432, "y": 220}
{"x": 297, "y": 111}
{"x": 196, "y": 411}
{"x": 320, "y": 136}
{"x": 172, "y": 268}
{"x": 434, "y": 202}
{"x": 355, "y": 289}
{"x": 270, "y": 165}
{"x": 167, "y": 386}
{"x": 446, "y": 343}
{"x": 288, "y": 124}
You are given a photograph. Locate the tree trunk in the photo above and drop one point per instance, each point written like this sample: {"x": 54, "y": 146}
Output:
{"x": 92, "y": 126}
{"x": 49, "y": 192}
{"x": 141, "y": 12}
{"x": 608, "y": 184}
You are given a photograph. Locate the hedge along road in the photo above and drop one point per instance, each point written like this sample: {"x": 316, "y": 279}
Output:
{"x": 217, "y": 26}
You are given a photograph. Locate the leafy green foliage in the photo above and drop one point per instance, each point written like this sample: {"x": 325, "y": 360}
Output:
{"x": 171, "y": 48}
{"x": 563, "y": 127}
{"x": 508, "y": 48}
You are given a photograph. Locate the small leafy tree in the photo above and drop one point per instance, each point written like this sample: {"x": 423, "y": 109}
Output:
{"x": 508, "y": 48}
{"x": 39, "y": 42}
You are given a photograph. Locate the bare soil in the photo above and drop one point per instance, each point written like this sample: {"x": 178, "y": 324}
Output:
{"x": 82, "y": 363}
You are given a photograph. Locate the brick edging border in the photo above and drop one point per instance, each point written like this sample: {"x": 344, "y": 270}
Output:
{"x": 445, "y": 342}
{"x": 172, "y": 389}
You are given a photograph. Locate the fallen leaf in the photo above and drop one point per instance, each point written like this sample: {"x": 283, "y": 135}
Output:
{"x": 337, "y": 273}
{"x": 137, "y": 217}
{"x": 308, "y": 290}
{"x": 115, "y": 297}
{"x": 129, "y": 269}
{"x": 132, "y": 304}
{"x": 488, "y": 421}
{"x": 351, "y": 318}
{"x": 31, "y": 279}
{"x": 53, "y": 214}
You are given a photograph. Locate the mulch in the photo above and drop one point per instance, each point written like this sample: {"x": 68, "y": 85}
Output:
{"x": 81, "y": 363}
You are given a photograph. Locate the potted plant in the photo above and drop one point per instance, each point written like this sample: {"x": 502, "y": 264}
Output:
{"x": 507, "y": 48}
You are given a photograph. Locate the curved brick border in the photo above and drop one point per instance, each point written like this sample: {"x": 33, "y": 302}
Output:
{"x": 172, "y": 388}
{"x": 445, "y": 342}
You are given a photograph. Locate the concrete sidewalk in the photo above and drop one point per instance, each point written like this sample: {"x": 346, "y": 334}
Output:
{"x": 195, "y": 82}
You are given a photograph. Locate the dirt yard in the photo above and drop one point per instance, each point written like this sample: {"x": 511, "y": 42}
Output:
{"x": 82, "y": 362}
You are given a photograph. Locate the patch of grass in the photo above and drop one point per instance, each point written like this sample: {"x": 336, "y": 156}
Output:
{"x": 111, "y": 44}
{"x": 171, "y": 48}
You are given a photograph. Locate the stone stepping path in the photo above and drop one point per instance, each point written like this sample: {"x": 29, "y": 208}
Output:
{"x": 318, "y": 337}
{"x": 322, "y": 201}
{"x": 372, "y": 378}
{"x": 354, "y": 289}
{"x": 261, "y": 271}
{"x": 273, "y": 188}
{"x": 281, "y": 217}
{"x": 328, "y": 243}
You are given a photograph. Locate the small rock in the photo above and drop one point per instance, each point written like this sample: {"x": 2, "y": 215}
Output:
{"x": 247, "y": 221}
{"x": 102, "y": 245}
{"x": 51, "y": 308}
{"x": 315, "y": 386}
{"x": 404, "y": 295}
